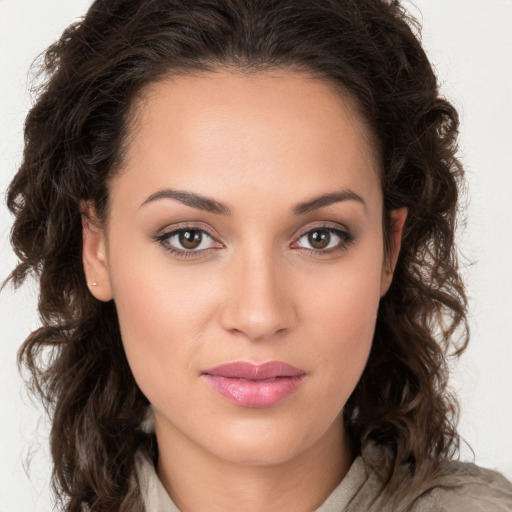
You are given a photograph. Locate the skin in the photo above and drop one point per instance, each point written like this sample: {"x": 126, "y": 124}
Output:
{"x": 257, "y": 290}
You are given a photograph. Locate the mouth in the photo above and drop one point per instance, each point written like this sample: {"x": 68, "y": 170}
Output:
{"x": 254, "y": 385}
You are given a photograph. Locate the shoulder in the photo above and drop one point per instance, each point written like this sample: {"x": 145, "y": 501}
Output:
{"x": 452, "y": 487}
{"x": 464, "y": 487}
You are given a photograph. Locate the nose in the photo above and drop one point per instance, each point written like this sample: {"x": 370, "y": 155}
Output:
{"x": 259, "y": 303}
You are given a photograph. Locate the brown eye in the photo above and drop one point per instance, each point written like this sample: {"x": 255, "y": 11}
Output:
{"x": 187, "y": 241}
{"x": 325, "y": 240}
{"x": 190, "y": 239}
{"x": 319, "y": 239}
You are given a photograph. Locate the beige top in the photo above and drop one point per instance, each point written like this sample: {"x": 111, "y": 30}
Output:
{"x": 458, "y": 487}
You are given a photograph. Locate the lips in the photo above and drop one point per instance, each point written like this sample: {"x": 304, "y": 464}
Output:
{"x": 254, "y": 385}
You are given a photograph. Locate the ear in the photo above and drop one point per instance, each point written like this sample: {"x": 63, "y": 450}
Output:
{"x": 398, "y": 217}
{"x": 94, "y": 255}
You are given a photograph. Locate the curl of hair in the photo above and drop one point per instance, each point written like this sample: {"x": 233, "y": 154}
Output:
{"x": 75, "y": 135}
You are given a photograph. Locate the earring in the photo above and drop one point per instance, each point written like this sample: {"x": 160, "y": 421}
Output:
{"x": 95, "y": 283}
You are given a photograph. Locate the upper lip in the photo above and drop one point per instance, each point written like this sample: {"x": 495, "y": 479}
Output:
{"x": 246, "y": 370}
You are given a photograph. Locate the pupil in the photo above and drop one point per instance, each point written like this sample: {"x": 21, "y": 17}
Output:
{"x": 190, "y": 239}
{"x": 319, "y": 239}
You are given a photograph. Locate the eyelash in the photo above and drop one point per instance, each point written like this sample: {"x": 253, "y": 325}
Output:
{"x": 164, "y": 238}
{"x": 346, "y": 239}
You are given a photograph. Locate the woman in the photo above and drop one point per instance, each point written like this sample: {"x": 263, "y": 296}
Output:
{"x": 263, "y": 198}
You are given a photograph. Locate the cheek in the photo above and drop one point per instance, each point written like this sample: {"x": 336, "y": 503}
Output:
{"x": 161, "y": 316}
{"x": 341, "y": 317}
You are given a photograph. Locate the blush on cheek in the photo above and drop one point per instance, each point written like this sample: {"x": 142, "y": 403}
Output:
{"x": 345, "y": 328}
{"x": 140, "y": 325}
{"x": 159, "y": 326}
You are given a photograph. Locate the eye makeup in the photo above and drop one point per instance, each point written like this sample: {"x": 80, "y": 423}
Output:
{"x": 324, "y": 241}
{"x": 195, "y": 241}
{"x": 188, "y": 241}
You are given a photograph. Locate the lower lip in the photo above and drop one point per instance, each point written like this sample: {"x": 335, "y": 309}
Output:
{"x": 254, "y": 393}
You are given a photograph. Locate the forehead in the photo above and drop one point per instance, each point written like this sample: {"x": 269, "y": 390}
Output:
{"x": 212, "y": 130}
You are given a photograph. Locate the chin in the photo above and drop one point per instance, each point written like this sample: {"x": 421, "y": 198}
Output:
{"x": 270, "y": 445}
{"x": 259, "y": 454}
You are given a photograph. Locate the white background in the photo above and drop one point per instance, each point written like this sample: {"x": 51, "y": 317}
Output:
{"x": 469, "y": 42}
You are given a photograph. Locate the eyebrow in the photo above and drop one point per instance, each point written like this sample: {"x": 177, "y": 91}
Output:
{"x": 190, "y": 199}
{"x": 210, "y": 205}
{"x": 326, "y": 200}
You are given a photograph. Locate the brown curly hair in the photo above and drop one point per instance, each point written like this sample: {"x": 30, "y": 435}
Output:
{"x": 75, "y": 135}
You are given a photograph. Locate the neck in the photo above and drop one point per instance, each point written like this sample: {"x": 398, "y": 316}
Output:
{"x": 198, "y": 480}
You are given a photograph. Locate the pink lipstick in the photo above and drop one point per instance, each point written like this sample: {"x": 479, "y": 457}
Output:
{"x": 254, "y": 385}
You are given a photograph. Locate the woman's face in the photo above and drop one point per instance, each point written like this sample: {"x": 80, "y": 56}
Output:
{"x": 245, "y": 226}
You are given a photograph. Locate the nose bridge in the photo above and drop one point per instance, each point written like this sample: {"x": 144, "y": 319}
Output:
{"x": 259, "y": 304}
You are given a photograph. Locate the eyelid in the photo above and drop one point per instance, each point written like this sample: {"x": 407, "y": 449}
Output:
{"x": 325, "y": 225}
{"x": 170, "y": 231}
{"x": 346, "y": 236}
{"x": 183, "y": 226}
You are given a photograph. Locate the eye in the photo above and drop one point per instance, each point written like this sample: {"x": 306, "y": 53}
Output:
{"x": 186, "y": 241}
{"x": 325, "y": 239}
